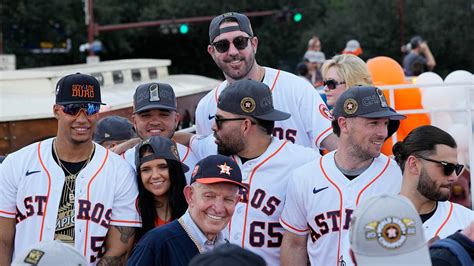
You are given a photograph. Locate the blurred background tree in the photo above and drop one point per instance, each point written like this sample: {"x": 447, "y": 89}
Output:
{"x": 380, "y": 26}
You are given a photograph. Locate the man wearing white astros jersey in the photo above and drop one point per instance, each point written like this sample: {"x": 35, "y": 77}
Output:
{"x": 243, "y": 130}
{"x": 69, "y": 188}
{"x": 155, "y": 114}
{"x": 233, "y": 47}
{"x": 323, "y": 194}
{"x": 428, "y": 158}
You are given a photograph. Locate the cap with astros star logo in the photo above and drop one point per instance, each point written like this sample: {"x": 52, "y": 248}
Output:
{"x": 250, "y": 98}
{"x": 217, "y": 169}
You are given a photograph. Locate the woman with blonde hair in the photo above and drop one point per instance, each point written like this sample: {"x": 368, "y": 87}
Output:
{"x": 342, "y": 72}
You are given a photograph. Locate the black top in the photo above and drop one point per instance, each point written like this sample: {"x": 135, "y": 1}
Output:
{"x": 165, "y": 245}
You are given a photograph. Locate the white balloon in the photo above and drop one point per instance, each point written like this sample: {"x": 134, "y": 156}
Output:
{"x": 428, "y": 78}
{"x": 442, "y": 120}
{"x": 461, "y": 134}
{"x": 458, "y": 96}
{"x": 435, "y": 97}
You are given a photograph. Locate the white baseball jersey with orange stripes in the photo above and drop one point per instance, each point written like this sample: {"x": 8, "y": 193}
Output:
{"x": 254, "y": 225}
{"x": 310, "y": 120}
{"x": 31, "y": 186}
{"x": 185, "y": 155}
{"x": 448, "y": 218}
{"x": 320, "y": 201}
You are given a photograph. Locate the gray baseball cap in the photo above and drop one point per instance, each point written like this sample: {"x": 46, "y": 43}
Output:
{"x": 241, "y": 19}
{"x": 315, "y": 57}
{"x": 163, "y": 148}
{"x": 251, "y": 98}
{"x": 50, "y": 252}
{"x": 387, "y": 228}
{"x": 364, "y": 101}
{"x": 113, "y": 127}
{"x": 154, "y": 96}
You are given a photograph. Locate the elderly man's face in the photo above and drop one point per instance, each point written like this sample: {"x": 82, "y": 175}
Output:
{"x": 211, "y": 206}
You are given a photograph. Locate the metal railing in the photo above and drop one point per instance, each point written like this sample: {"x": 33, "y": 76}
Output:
{"x": 466, "y": 108}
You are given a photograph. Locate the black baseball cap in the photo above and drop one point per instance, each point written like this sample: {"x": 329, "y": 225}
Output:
{"x": 228, "y": 255}
{"x": 113, "y": 127}
{"x": 364, "y": 101}
{"x": 78, "y": 88}
{"x": 251, "y": 98}
{"x": 241, "y": 19}
{"x": 163, "y": 148}
{"x": 217, "y": 169}
{"x": 154, "y": 96}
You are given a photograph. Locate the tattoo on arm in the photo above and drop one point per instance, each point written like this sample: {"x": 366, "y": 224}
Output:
{"x": 125, "y": 233}
{"x": 110, "y": 260}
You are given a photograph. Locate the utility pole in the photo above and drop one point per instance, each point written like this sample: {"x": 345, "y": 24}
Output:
{"x": 90, "y": 25}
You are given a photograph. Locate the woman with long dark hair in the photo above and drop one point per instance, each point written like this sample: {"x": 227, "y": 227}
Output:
{"x": 160, "y": 178}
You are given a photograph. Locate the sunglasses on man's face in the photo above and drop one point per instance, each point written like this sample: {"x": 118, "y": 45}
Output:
{"x": 219, "y": 120}
{"x": 448, "y": 168}
{"x": 332, "y": 84}
{"x": 223, "y": 46}
{"x": 75, "y": 108}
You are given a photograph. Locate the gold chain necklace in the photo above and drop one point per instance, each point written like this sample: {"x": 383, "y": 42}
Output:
{"x": 64, "y": 167}
{"x": 186, "y": 229}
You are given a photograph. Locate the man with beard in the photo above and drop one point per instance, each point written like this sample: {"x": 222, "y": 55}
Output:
{"x": 323, "y": 194}
{"x": 233, "y": 47}
{"x": 428, "y": 158}
{"x": 243, "y": 125}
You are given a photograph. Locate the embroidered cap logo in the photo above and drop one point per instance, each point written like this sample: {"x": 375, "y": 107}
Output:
{"x": 247, "y": 104}
{"x": 383, "y": 101}
{"x": 154, "y": 93}
{"x": 350, "y": 106}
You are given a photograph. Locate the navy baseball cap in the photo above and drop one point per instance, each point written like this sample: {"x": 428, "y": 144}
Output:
{"x": 113, "y": 127}
{"x": 163, "y": 148}
{"x": 251, "y": 98}
{"x": 364, "y": 101}
{"x": 241, "y": 19}
{"x": 154, "y": 96}
{"x": 78, "y": 88}
{"x": 217, "y": 169}
{"x": 228, "y": 255}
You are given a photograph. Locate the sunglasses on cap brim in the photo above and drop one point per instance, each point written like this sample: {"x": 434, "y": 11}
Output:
{"x": 223, "y": 46}
{"x": 75, "y": 108}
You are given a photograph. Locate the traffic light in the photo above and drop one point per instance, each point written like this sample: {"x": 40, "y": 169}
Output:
{"x": 297, "y": 17}
{"x": 183, "y": 28}
{"x": 290, "y": 15}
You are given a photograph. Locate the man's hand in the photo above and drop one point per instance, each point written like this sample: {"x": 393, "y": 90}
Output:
{"x": 123, "y": 147}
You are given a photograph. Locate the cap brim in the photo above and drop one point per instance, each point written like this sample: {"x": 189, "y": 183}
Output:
{"x": 185, "y": 168}
{"x": 420, "y": 256}
{"x": 154, "y": 106}
{"x": 213, "y": 180}
{"x": 275, "y": 115}
{"x": 69, "y": 102}
{"x": 391, "y": 115}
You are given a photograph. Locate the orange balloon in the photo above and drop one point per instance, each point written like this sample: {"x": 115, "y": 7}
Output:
{"x": 386, "y": 71}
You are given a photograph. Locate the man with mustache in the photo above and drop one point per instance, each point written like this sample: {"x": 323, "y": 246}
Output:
{"x": 233, "y": 47}
{"x": 428, "y": 158}
{"x": 323, "y": 193}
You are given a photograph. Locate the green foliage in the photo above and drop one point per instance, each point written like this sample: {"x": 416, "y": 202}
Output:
{"x": 380, "y": 26}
